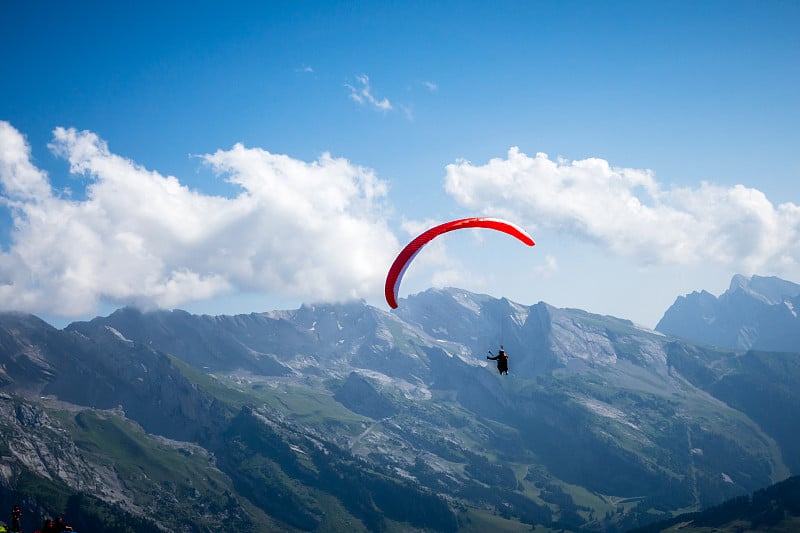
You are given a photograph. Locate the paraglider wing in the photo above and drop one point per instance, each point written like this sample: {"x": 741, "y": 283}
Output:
{"x": 407, "y": 254}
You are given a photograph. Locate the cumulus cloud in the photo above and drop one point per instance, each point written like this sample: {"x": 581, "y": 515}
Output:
{"x": 315, "y": 231}
{"x": 20, "y": 179}
{"x": 362, "y": 94}
{"x": 627, "y": 211}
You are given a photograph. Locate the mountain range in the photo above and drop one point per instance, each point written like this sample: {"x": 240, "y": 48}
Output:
{"x": 758, "y": 313}
{"x": 344, "y": 417}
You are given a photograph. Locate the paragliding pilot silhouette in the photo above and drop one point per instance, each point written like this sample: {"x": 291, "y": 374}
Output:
{"x": 16, "y": 513}
{"x": 502, "y": 360}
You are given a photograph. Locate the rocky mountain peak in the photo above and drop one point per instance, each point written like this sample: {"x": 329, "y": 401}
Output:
{"x": 754, "y": 313}
{"x": 768, "y": 289}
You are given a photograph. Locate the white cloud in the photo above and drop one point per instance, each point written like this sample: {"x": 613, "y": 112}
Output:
{"x": 548, "y": 268}
{"x": 363, "y": 94}
{"x": 431, "y": 86}
{"x": 315, "y": 230}
{"x": 19, "y": 178}
{"x": 630, "y": 213}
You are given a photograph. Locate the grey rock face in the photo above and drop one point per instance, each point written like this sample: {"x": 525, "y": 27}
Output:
{"x": 758, "y": 313}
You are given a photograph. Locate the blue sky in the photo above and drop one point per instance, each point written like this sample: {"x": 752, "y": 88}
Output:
{"x": 256, "y": 155}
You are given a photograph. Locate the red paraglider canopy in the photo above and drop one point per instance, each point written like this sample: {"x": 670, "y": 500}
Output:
{"x": 405, "y": 257}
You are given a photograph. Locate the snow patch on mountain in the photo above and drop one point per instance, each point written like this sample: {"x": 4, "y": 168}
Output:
{"x": 409, "y": 391}
{"x": 519, "y": 313}
{"x": 119, "y": 335}
{"x": 465, "y": 300}
{"x": 605, "y": 410}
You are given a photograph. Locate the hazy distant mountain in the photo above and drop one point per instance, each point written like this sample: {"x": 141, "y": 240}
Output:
{"x": 347, "y": 417}
{"x": 759, "y": 313}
